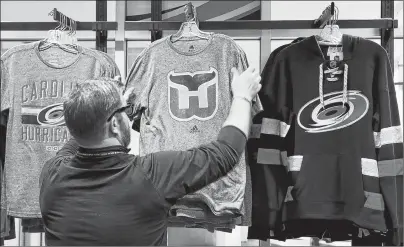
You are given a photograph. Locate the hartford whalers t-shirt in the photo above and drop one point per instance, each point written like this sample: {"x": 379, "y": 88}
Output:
{"x": 183, "y": 90}
{"x": 34, "y": 85}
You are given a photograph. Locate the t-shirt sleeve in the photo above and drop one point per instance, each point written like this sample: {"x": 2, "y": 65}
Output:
{"x": 242, "y": 60}
{"x": 114, "y": 70}
{"x": 5, "y": 95}
{"x": 241, "y": 65}
{"x": 140, "y": 77}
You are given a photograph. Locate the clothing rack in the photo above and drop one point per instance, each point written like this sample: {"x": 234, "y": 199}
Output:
{"x": 45, "y": 26}
{"x": 101, "y": 26}
{"x": 386, "y": 23}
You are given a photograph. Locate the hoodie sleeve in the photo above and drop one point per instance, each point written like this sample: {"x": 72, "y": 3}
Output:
{"x": 267, "y": 143}
{"x": 389, "y": 146}
{"x": 276, "y": 122}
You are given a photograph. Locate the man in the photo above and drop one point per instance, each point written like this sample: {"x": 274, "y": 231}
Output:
{"x": 95, "y": 193}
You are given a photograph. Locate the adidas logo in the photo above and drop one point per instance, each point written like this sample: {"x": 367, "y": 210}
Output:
{"x": 194, "y": 130}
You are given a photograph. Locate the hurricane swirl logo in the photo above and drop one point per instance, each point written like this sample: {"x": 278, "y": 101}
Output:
{"x": 314, "y": 118}
{"x": 52, "y": 115}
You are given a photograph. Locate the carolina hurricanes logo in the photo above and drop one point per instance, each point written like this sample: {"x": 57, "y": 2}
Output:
{"x": 193, "y": 95}
{"x": 313, "y": 118}
{"x": 51, "y": 115}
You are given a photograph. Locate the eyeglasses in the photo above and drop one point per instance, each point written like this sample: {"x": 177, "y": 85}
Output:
{"x": 129, "y": 110}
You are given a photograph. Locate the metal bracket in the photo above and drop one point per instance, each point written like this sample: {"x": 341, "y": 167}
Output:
{"x": 156, "y": 15}
{"x": 387, "y": 34}
{"x": 102, "y": 33}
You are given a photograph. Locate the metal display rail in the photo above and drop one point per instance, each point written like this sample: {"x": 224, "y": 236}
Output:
{"x": 386, "y": 23}
{"x": 101, "y": 26}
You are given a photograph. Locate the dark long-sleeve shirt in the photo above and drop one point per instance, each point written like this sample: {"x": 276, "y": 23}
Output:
{"x": 108, "y": 197}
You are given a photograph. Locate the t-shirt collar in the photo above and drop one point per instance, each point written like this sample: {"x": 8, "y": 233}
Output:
{"x": 348, "y": 43}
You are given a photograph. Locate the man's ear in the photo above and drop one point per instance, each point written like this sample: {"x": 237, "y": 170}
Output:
{"x": 113, "y": 125}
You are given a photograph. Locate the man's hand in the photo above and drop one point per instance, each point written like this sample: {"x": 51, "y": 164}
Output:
{"x": 245, "y": 87}
{"x": 247, "y": 84}
{"x": 129, "y": 95}
{"x": 119, "y": 82}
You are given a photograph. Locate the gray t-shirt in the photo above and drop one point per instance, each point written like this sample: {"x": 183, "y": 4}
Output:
{"x": 184, "y": 92}
{"x": 34, "y": 85}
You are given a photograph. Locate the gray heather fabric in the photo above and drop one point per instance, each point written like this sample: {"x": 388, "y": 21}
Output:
{"x": 111, "y": 63}
{"x": 198, "y": 215}
{"x": 184, "y": 92}
{"x": 33, "y": 87}
{"x": 110, "y": 67}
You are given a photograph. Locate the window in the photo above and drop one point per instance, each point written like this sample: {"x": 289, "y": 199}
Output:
{"x": 399, "y": 95}
{"x": 252, "y": 51}
{"x": 309, "y": 10}
{"x": 398, "y": 9}
{"x": 134, "y": 48}
{"x": 38, "y": 11}
{"x": 398, "y": 60}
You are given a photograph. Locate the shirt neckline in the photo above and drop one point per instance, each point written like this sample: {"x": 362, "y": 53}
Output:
{"x": 38, "y": 53}
{"x": 171, "y": 44}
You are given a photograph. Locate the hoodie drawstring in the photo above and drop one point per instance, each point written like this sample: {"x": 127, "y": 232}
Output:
{"x": 335, "y": 71}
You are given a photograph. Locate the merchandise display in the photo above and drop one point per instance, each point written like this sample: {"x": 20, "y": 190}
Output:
{"x": 184, "y": 96}
{"x": 323, "y": 159}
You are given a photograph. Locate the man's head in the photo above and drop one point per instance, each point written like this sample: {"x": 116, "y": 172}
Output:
{"x": 94, "y": 112}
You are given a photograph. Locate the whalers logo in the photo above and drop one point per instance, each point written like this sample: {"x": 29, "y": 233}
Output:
{"x": 193, "y": 95}
{"x": 314, "y": 118}
{"x": 51, "y": 115}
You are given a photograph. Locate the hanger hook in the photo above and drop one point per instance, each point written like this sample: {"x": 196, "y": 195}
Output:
{"x": 59, "y": 24}
{"x": 328, "y": 10}
{"x": 336, "y": 14}
{"x": 62, "y": 22}
{"x": 70, "y": 27}
{"x": 75, "y": 27}
{"x": 52, "y": 12}
{"x": 192, "y": 11}
{"x": 66, "y": 24}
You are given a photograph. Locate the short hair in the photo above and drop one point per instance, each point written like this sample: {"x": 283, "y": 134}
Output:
{"x": 89, "y": 105}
